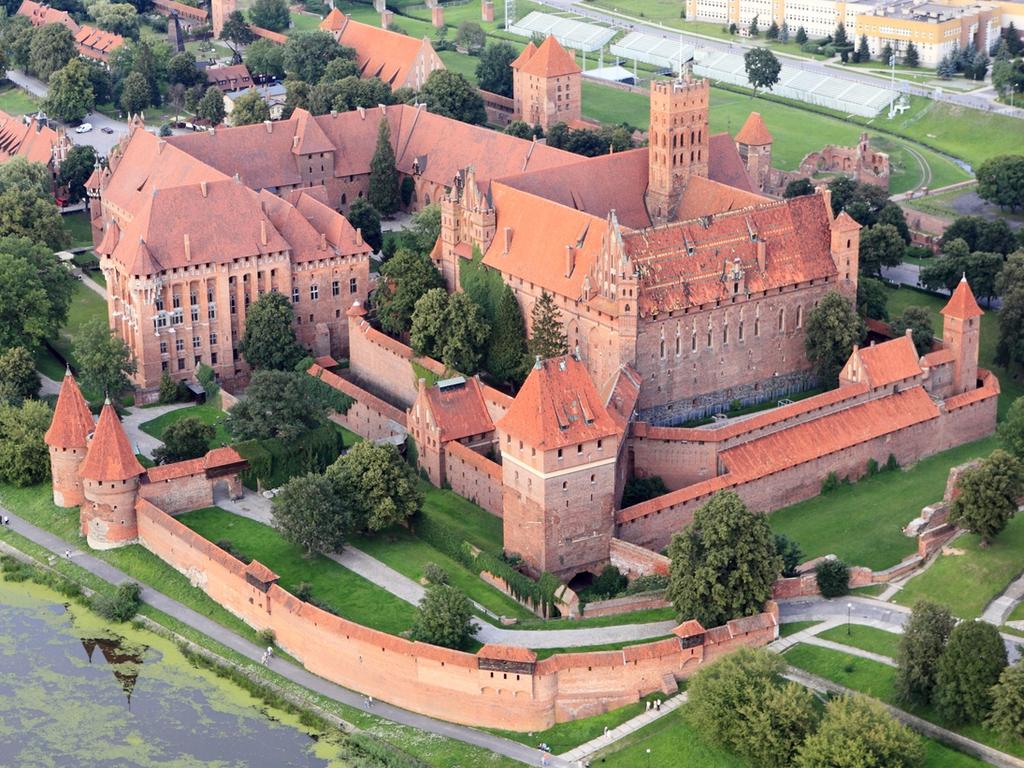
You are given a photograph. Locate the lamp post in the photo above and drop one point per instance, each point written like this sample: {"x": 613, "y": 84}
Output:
{"x": 648, "y": 757}
{"x": 849, "y": 613}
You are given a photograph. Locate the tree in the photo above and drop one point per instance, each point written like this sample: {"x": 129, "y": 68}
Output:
{"x": 70, "y": 97}
{"x": 26, "y": 205}
{"x": 833, "y": 578}
{"x": 466, "y": 333}
{"x": 182, "y": 69}
{"x": 494, "y": 70}
{"x": 1010, "y": 346}
{"x": 872, "y": 299}
{"x": 982, "y": 235}
{"x": 640, "y": 489}
{"x": 470, "y": 35}
{"x": 211, "y": 106}
{"x": 425, "y": 227}
{"x": 383, "y": 192}
{"x": 276, "y": 404}
{"x": 104, "y": 359}
{"x": 365, "y": 218}
{"x": 798, "y": 188}
{"x": 788, "y": 549}
{"x": 969, "y": 667}
{"x": 188, "y": 438}
{"x": 773, "y": 31}
{"x": 548, "y": 339}
{"x": 754, "y": 29}
{"x": 428, "y": 322}
{"x": 762, "y": 69}
{"x": 35, "y": 292}
{"x": 309, "y": 513}
{"x": 880, "y": 246}
{"x": 1012, "y": 38}
{"x": 833, "y": 328}
{"x": 911, "y": 58}
{"x": 891, "y": 213}
{"x": 784, "y": 32}
{"x": 1011, "y": 429}
{"x": 76, "y": 169}
{"x": 340, "y": 69}
{"x": 988, "y": 495}
{"x": 863, "y": 51}
{"x": 51, "y": 48}
{"x": 404, "y": 278}
{"x": 887, "y": 55}
{"x": 1007, "y": 715}
{"x": 452, "y": 95}
{"x": 918, "y": 321}
{"x": 265, "y": 59}
{"x": 444, "y": 617}
{"x": 741, "y": 703}
{"x": 18, "y": 378}
{"x": 24, "y": 457}
{"x": 135, "y": 94}
{"x": 921, "y": 645}
{"x": 724, "y": 564}
{"x": 307, "y": 54}
{"x": 381, "y": 487}
{"x": 250, "y": 108}
{"x": 507, "y": 350}
{"x": 236, "y": 32}
{"x": 946, "y": 68}
{"x": 269, "y": 341}
{"x": 857, "y": 731}
{"x": 119, "y": 18}
{"x": 801, "y": 36}
{"x": 270, "y": 14}
{"x": 120, "y": 606}
{"x": 839, "y": 36}
{"x": 1001, "y": 181}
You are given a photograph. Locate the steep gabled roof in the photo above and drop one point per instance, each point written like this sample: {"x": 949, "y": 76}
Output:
{"x": 310, "y": 139}
{"x": 525, "y": 55}
{"x": 962, "y": 304}
{"x": 110, "y": 454}
{"x": 558, "y": 406}
{"x": 883, "y": 364}
{"x": 334, "y": 21}
{"x": 72, "y": 420}
{"x": 549, "y": 60}
{"x": 706, "y": 197}
{"x": 754, "y": 132}
{"x": 382, "y": 53}
{"x": 32, "y": 139}
{"x": 458, "y": 409}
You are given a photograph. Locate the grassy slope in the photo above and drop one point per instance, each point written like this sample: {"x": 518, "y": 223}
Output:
{"x": 866, "y": 638}
{"x": 15, "y": 101}
{"x": 968, "y": 582}
{"x": 206, "y": 413}
{"x": 475, "y": 525}
{"x": 336, "y": 587}
{"x": 78, "y": 226}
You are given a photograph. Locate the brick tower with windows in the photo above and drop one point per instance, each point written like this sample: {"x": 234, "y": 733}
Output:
{"x": 558, "y": 449}
{"x": 68, "y": 441}
{"x": 754, "y": 144}
{"x": 961, "y": 327}
{"x": 677, "y": 144}
{"x": 546, "y": 83}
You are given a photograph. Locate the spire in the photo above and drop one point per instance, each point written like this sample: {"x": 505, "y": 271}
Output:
{"x": 72, "y": 420}
{"x": 962, "y": 304}
{"x": 110, "y": 454}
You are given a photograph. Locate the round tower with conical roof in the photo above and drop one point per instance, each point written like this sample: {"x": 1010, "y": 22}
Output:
{"x": 68, "y": 440}
{"x": 110, "y": 480}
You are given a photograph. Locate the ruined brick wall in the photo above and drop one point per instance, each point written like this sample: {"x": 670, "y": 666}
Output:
{"x": 473, "y": 476}
{"x": 619, "y": 605}
{"x": 635, "y": 561}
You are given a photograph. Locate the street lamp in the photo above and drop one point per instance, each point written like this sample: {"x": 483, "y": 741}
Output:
{"x": 648, "y": 757}
{"x": 849, "y": 612}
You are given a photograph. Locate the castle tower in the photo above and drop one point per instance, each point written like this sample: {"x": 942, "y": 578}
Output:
{"x": 754, "y": 143}
{"x": 845, "y": 249}
{"x": 219, "y": 12}
{"x": 68, "y": 440}
{"x": 961, "y": 328}
{"x": 546, "y": 83}
{"x": 110, "y": 478}
{"x": 558, "y": 448}
{"x": 678, "y": 142}
{"x": 467, "y": 221}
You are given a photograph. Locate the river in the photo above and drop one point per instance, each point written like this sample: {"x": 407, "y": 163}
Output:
{"x": 76, "y": 692}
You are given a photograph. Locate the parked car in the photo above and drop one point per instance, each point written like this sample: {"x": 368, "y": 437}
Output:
{"x": 84, "y": 128}
{"x": 107, "y": 129}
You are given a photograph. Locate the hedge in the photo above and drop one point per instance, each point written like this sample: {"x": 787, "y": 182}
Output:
{"x": 272, "y": 462}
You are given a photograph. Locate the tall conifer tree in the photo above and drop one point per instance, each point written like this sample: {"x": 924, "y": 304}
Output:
{"x": 383, "y": 194}
{"x": 548, "y": 336}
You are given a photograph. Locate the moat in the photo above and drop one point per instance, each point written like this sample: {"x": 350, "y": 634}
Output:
{"x": 75, "y": 691}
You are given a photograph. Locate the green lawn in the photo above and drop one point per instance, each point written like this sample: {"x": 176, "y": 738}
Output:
{"x": 477, "y": 526}
{"x": 332, "y": 585}
{"x": 86, "y": 305}
{"x": 877, "y": 680}
{"x": 206, "y": 413}
{"x": 78, "y": 227}
{"x": 647, "y": 616}
{"x": 48, "y": 365}
{"x": 862, "y": 523}
{"x": 14, "y": 101}
{"x": 968, "y": 582}
{"x": 785, "y": 630}
{"x": 544, "y": 653}
{"x": 1017, "y": 614}
{"x": 408, "y": 554}
{"x": 303, "y": 22}
{"x": 866, "y": 638}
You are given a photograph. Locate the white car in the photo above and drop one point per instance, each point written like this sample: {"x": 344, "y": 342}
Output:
{"x": 84, "y": 128}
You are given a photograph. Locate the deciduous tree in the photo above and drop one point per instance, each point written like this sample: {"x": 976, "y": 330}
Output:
{"x": 452, "y": 95}
{"x": 211, "y": 106}
{"x": 833, "y": 328}
{"x": 380, "y": 487}
{"x": 494, "y": 70}
{"x": 798, "y": 188}
{"x": 70, "y": 97}
{"x": 276, "y": 404}
{"x": 444, "y": 617}
{"x": 762, "y": 69}
{"x": 918, "y": 321}
{"x": 307, "y": 54}
{"x": 880, "y": 246}
{"x": 236, "y": 32}
{"x": 265, "y": 59}
{"x": 270, "y": 14}
{"x": 76, "y": 169}
{"x": 365, "y": 218}
{"x": 872, "y": 299}
{"x": 1011, "y": 429}
{"x": 310, "y": 514}
{"x": 470, "y": 35}
{"x": 119, "y": 18}
{"x": 52, "y": 46}
{"x": 35, "y": 293}
{"x": 857, "y": 731}
{"x": 105, "y": 361}
{"x": 250, "y": 108}
{"x": 1001, "y": 181}
{"x": 404, "y": 278}
{"x": 24, "y": 457}
{"x": 269, "y": 341}
{"x": 187, "y": 438}
{"x": 1007, "y": 715}
{"x": 18, "y": 378}
{"x": 988, "y": 495}
{"x": 921, "y": 645}
{"x": 724, "y": 564}
{"x": 428, "y": 322}
{"x": 970, "y": 666}
{"x": 135, "y": 93}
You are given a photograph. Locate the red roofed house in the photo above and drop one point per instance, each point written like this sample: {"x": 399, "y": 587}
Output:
{"x": 91, "y": 42}
{"x": 399, "y": 60}
{"x": 30, "y": 138}
{"x": 546, "y": 85}
{"x": 233, "y": 77}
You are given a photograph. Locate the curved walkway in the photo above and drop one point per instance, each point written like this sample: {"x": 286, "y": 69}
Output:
{"x": 999, "y": 610}
{"x": 257, "y": 508}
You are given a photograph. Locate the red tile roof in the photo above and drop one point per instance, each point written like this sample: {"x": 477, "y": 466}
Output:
{"x": 266, "y": 34}
{"x": 550, "y": 59}
{"x": 458, "y": 409}
{"x": 989, "y": 388}
{"x": 185, "y": 11}
{"x": 883, "y": 364}
{"x": 689, "y": 628}
{"x": 524, "y": 55}
{"x": 310, "y": 137}
{"x": 962, "y": 304}
{"x": 622, "y": 395}
{"x": 725, "y": 165}
{"x": 96, "y": 43}
{"x": 72, "y": 421}
{"x": 754, "y": 132}
{"x": 707, "y": 197}
{"x": 939, "y": 357}
{"x": 229, "y": 78}
{"x": 390, "y": 56}
{"x": 334, "y": 21}
{"x": 260, "y": 572}
{"x": 163, "y": 472}
{"x": 40, "y": 14}
{"x": 222, "y": 457}
{"x": 506, "y": 653}
{"x": 31, "y": 140}
{"x": 110, "y": 455}
{"x": 558, "y": 406}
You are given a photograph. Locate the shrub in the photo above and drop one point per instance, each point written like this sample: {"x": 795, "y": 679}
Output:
{"x": 266, "y": 637}
{"x": 122, "y": 605}
{"x": 171, "y": 391}
{"x": 609, "y": 583}
{"x": 831, "y": 483}
{"x": 640, "y": 489}
{"x": 891, "y": 463}
{"x": 652, "y": 582}
{"x": 304, "y": 591}
{"x": 435, "y": 574}
{"x": 833, "y": 578}
{"x": 872, "y": 467}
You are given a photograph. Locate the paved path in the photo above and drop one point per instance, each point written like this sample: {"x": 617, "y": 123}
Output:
{"x": 210, "y": 628}
{"x": 999, "y": 609}
{"x": 141, "y": 442}
{"x": 607, "y": 739}
{"x": 849, "y": 649}
{"x": 49, "y": 386}
{"x": 257, "y": 508}
{"x": 90, "y": 283}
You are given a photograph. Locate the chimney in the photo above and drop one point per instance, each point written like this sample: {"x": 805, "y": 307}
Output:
{"x": 202, "y": 188}
{"x": 334, "y": 113}
{"x": 269, "y": 125}
{"x": 508, "y": 241}
{"x": 295, "y": 141}
{"x": 762, "y": 255}
{"x": 160, "y": 146}
{"x": 826, "y": 193}
{"x": 362, "y": 113}
{"x": 537, "y": 364}
{"x": 570, "y": 260}
{"x": 188, "y": 249}
{"x": 359, "y": 236}
{"x": 263, "y": 231}
{"x": 323, "y": 242}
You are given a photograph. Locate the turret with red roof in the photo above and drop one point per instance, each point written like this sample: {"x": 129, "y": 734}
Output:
{"x": 961, "y": 330}
{"x": 68, "y": 440}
